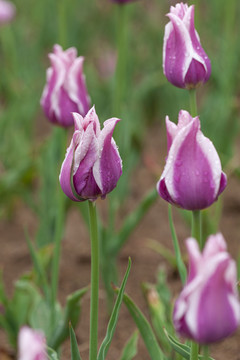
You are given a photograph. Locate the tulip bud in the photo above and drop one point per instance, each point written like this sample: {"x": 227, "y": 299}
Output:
{"x": 185, "y": 63}
{"x": 65, "y": 91}
{"x": 31, "y": 345}
{"x": 92, "y": 165}
{"x": 192, "y": 178}
{"x": 208, "y": 309}
{"x": 7, "y": 11}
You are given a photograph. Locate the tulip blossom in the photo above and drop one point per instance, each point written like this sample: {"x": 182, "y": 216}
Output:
{"x": 65, "y": 91}
{"x": 192, "y": 178}
{"x": 185, "y": 63}
{"x": 92, "y": 165}
{"x": 31, "y": 345}
{"x": 208, "y": 307}
{"x": 7, "y": 11}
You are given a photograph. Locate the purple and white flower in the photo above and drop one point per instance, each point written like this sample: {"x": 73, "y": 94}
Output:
{"x": 7, "y": 11}
{"x": 208, "y": 308}
{"x": 192, "y": 178}
{"x": 185, "y": 63}
{"x": 92, "y": 166}
{"x": 65, "y": 91}
{"x": 31, "y": 345}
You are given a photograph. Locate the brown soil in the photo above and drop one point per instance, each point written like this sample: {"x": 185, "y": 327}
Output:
{"x": 75, "y": 260}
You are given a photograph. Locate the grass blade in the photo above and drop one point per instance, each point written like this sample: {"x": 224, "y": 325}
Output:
{"x": 114, "y": 317}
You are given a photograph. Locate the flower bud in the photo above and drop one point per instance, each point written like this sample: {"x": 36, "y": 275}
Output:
{"x": 208, "y": 308}
{"x": 31, "y": 345}
{"x": 185, "y": 63}
{"x": 92, "y": 165}
{"x": 192, "y": 178}
{"x": 7, "y": 11}
{"x": 65, "y": 91}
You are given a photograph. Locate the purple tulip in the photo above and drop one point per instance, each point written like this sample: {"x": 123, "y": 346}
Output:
{"x": 7, "y": 11}
{"x": 192, "y": 178}
{"x": 92, "y": 165}
{"x": 208, "y": 308}
{"x": 65, "y": 91}
{"x": 185, "y": 63}
{"x": 31, "y": 345}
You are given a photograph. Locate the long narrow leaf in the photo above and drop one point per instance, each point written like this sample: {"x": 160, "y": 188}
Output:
{"x": 114, "y": 317}
{"x": 37, "y": 265}
{"x": 52, "y": 354}
{"x": 71, "y": 314}
{"x": 130, "y": 349}
{"x": 145, "y": 329}
{"x": 182, "y": 349}
{"x": 75, "y": 355}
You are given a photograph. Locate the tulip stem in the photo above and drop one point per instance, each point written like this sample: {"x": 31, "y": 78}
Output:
{"x": 197, "y": 227}
{"x": 121, "y": 61}
{"x": 193, "y": 102}
{"x": 180, "y": 263}
{"x": 205, "y": 352}
{"x": 120, "y": 87}
{"x": 194, "y": 351}
{"x": 93, "y": 342}
{"x": 62, "y": 135}
{"x": 62, "y": 33}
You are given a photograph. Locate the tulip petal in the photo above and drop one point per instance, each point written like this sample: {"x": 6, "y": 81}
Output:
{"x": 216, "y": 318}
{"x": 76, "y": 88}
{"x": 85, "y": 158}
{"x": 65, "y": 173}
{"x": 163, "y": 191}
{"x": 177, "y": 50}
{"x": 223, "y": 183}
{"x": 92, "y": 117}
{"x": 214, "y": 245}
{"x": 192, "y": 169}
{"x": 108, "y": 167}
{"x": 185, "y": 63}
{"x": 194, "y": 256}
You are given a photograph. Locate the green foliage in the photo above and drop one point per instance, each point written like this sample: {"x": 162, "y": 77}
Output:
{"x": 114, "y": 317}
{"x": 75, "y": 355}
{"x": 182, "y": 349}
{"x": 145, "y": 329}
{"x": 130, "y": 349}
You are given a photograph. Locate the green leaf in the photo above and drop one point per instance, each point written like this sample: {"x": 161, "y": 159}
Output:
{"x": 37, "y": 265}
{"x": 26, "y": 295}
{"x": 52, "y": 354}
{"x": 114, "y": 317}
{"x": 130, "y": 349}
{"x": 75, "y": 355}
{"x": 182, "y": 349}
{"x": 71, "y": 315}
{"x": 145, "y": 329}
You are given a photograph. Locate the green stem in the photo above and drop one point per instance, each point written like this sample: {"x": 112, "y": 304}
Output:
{"x": 62, "y": 26}
{"x": 197, "y": 227}
{"x": 59, "y": 224}
{"x": 205, "y": 352}
{"x": 180, "y": 263}
{"x": 120, "y": 76}
{"x": 193, "y": 102}
{"x": 194, "y": 351}
{"x": 10, "y": 58}
{"x": 93, "y": 343}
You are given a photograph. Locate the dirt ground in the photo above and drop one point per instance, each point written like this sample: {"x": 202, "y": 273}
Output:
{"x": 75, "y": 259}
